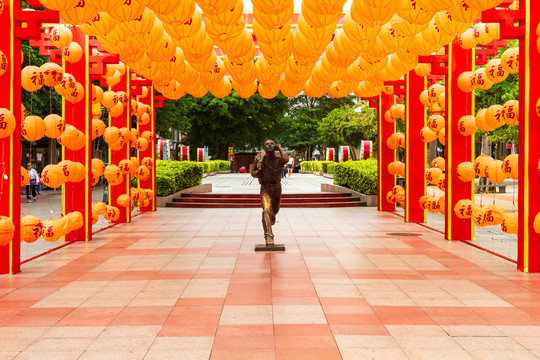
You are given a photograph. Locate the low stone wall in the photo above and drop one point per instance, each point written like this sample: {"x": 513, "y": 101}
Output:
{"x": 371, "y": 200}
{"x": 162, "y": 201}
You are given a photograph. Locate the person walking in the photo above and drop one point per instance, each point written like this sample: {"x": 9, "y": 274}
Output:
{"x": 290, "y": 165}
{"x": 267, "y": 168}
{"x": 32, "y": 184}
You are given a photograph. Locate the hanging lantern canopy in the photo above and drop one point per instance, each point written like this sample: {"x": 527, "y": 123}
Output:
{"x": 467, "y": 125}
{"x": 510, "y": 166}
{"x": 52, "y": 176}
{"x": 465, "y": 171}
{"x": 80, "y": 14}
{"x": 464, "y": 209}
{"x": 7, "y": 123}
{"x": 432, "y": 175}
{"x": 509, "y": 224}
{"x": 113, "y": 174}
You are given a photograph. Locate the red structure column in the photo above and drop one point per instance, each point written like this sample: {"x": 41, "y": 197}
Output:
{"x": 529, "y": 146}
{"x": 10, "y": 156}
{"x": 78, "y": 196}
{"x": 115, "y": 156}
{"x": 415, "y": 120}
{"x": 385, "y": 156}
{"x": 458, "y": 148}
{"x": 149, "y": 183}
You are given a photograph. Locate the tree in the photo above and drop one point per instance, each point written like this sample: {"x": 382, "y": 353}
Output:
{"x": 172, "y": 116}
{"x": 348, "y": 125}
{"x": 298, "y": 129}
{"x": 218, "y": 123}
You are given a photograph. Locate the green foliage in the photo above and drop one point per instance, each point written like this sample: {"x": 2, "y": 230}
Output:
{"x": 298, "y": 129}
{"x": 359, "y": 176}
{"x": 134, "y": 182}
{"x": 173, "y": 176}
{"x": 172, "y": 116}
{"x": 220, "y": 165}
{"x": 330, "y": 167}
{"x": 348, "y": 125}
{"x": 315, "y": 165}
{"x": 218, "y": 123}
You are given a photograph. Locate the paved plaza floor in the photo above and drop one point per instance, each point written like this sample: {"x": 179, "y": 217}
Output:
{"x": 353, "y": 283}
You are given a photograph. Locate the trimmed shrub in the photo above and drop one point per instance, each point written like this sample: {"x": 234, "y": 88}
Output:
{"x": 359, "y": 176}
{"x": 330, "y": 167}
{"x": 315, "y": 165}
{"x": 173, "y": 176}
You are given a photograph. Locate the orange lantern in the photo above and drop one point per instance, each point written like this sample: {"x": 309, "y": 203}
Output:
{"x": 123, "y": 200}
{"x": 425, "y": 99}
{"x": 94, "y": 177}
{"x": 76, "y": 219}
{"x": 32, "y": 78}
{"x": 481, "y": 163}
{"x": 97, "y": 94}
{"x": 436, "y": 122}
{"x": 31, "y": 228}
{"x": 481, "y": 80}
{"x": 392, "y": 168}
{"x": 61, "y": 36}
{"x": 464, "y": 208}
{"x": 66, "y": 85}
{"x": 433, "y": 205}
{"x": 465, "y": 171}
{"x": 494, "y": 215}
{"x": 509, "y": 224}
{"x": 441, "y": 136}
{"x": 69, "y": 169}
{"x": 7, "y": 123}
{"x": 142, "y": 195}
{"x": 478, "y": 215}
{"x": 98, "y": 207}
{"x": 399, "y": 193}
{"x": 109, "y": 99}
{"x": 442, "y": 205}
{"x": 116, "y": 110}
{"x": 432, "y": 175}
{"x": 427, "y": 135}
{"x": 25, "y": 178}
{"x": 113, "y": 174}
{"x": 64, "y": 225}
{"x": 143, "y": 173}
{"x": 494, "y": 171}
{"x": 76, "y": 95}
{"x": 112, "y": 213}
{"x": 111, "y": 135}
{"x": 536, "y": 223}
{"x": 441, "y": 184}
{"x": 135, "y": 161}
{"x": 125, "y": 166}
{"x": 52, "y": 176}
{"x": 72, "y": 52}
{"x": 510, "y": 60}
{"x": 481, "y": 122}
{"x": 510, "y": 112}
{"x": 390, "y": 197}
{"x": 438, "y": 162}
{"x": 423, "y": 201}
{"x": 134, "y": 194}
{"x": 7, "y": 230}
{"x": 98, "y": 128}
{"x": 141, "y": 144}
{"x": 467, "y": 125}
{"x": 495, "y": 72}
{"x": 54, "y": 126}
{"x": 52, "y": 230}
{"x": 53, "y": 73}
{"x": 33, "y": 128}
{"x": 466, "y": 81}
{"x": 95, "y": 218}
{"x": 510, "y": 166}
{"x": 80, "y": 14}
{"x": 494, "y": 118}
{"x": 98, "y": 165}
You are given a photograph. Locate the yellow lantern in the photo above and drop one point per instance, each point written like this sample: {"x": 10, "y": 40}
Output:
{"x": 7, "y": 123}
{"x": 464, "y": 209}
{"x": 32, "y": 78}
{"x": 425, "y": 99}
{"x": 100, "y": 24}
{"x": 509, "y": 224}
{"x": 432, "y": 175}
{"x": 510, "y": 112}
{"x": 467, "y": 125}
{"x": 494, "y": 171}
{"x": 510, "y": 166}
{"x": 129, "y": 10}
{"x": 427, "y": 135}
{"x": 31, "y": 228}
{"x": 61, "y": 35}
{"x": 467, "y": 40}
{"x": 33, "y": 128}
{"x": 465, "y": 171}
{"x": 481, "y": 5}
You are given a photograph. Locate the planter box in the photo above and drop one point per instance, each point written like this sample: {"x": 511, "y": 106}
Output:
{"x": 224, "y": 172}
{"x": 328, "y": 175}
{"x": 161, "y": 201}
{"x": 371, "y": 200}
{"x": 212, "y": 173}
{"x": 304, "y": 171}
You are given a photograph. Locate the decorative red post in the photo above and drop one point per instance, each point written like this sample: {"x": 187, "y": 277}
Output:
{"x": 78, "y": 196}
{"x": 529, "y": 147}
{"x": 415, "y": 120}
{"x": 384, "y": 155}
{"x": 459, "y": 148}
{"x": 115, "y": 156}
{"x": 10, "y": 156}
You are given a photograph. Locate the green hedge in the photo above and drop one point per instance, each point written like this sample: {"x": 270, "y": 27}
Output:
{"x": 216, "y": 165}
{"x": 359, "y": 176}
{"x": 173, "y": 176}
{"x": 330, "y": 167}
{"x": 316, "y": 165}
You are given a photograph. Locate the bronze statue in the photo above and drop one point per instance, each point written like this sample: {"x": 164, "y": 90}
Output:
{"x": 268, "y": 168}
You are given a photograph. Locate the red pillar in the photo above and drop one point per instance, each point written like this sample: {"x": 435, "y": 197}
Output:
{"x": 458, "y": 147}
{"x": 529, "y": 146}
{"x": 415, "y": 150}
{"x": 115, "y": 156}
{"x": 10, "y": 156}
{"x": 384, "y": 155}
{"x": 78, "y": 196}
{"x": 149, "y": 183}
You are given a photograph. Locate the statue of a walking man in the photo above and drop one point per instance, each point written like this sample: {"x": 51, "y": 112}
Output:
{"x": 268, "y": 168}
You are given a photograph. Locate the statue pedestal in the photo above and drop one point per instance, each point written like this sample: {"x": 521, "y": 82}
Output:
{"x": 275, "y": 247}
